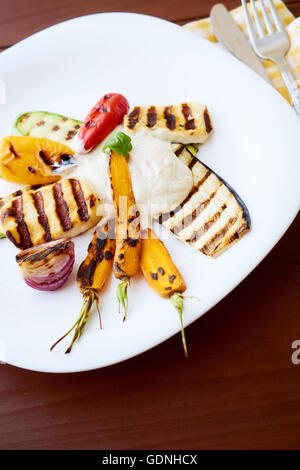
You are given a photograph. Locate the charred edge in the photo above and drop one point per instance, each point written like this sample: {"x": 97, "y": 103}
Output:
{"x": 188, "y": 116}
{"x": 38, "y": 201}
{"x": 87, "y": 269}
{"x": 189, "y": 219}
{"x": 133, "y": 117}
{"x": 108, "y": 255}
{"x": 83, "y": 211}
{"x": 35, "y": 187}
{"x": 131, "y": 241}
{"x": 192, "y": 163}
{"x": 70, "y": 135}
{"x": 207, "y": 121}
{"x": 163, "y": 217}
{"x": 92, "y": 201}
{"x": 170, "y": 118}
{"x": 45, "y": 158}
{"x": 10, "y": 237}
{"x": 23, "y": 118}
{"x": 211, "y": 245}
{"x": 60, "y": 248}
{"x": 179, "y": 150}
{"x": 61, "y": 207}
{"x": 118, "y": 268}
{"x": 5, "y": 199}
{"x": 16, "y": 211}
{"x": 13, "y": 151}
{"x": 151, "y": 117}
{"x": 199, "y": 233}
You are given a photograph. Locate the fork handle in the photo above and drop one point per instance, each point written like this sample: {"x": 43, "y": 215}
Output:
{"x": 290, "y": 83}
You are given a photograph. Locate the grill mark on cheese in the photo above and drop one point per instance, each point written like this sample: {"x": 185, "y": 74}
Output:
{"x": 170, "y": 118}
{"x": 151, "y": 116}
{"x": 207, "y": 121}
{"x": 133, "y": 117}
{"x": 83, "y": 211}
{"x": 38, "y": 201}
{"x": 62, "y": 209}
{"x": 188, "y": 116}
{"x": 16, "y": 211}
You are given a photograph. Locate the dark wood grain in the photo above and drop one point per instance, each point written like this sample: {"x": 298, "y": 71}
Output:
{"x": 239, "y": 389}
{"x": 20, "y": 19}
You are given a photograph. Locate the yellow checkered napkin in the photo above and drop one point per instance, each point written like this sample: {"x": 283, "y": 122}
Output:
{"x": 204, "y": 29}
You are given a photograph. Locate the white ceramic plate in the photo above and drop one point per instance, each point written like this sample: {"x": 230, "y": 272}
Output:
{"x": 255, "y": 148}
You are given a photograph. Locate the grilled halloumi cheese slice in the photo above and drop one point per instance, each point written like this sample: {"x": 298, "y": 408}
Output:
{"x": 212, "y": 217}
{"x": 185, "y": 122}
{"x": 59, "y": 210}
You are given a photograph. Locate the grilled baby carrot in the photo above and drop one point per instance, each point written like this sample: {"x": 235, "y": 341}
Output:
{"x": 162, "y": 275}
{"x": 128, "y": 243}
{"x": 91, "y": 277}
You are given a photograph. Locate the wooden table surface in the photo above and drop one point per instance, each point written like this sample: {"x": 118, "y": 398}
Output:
{"x": 239, "y": 389}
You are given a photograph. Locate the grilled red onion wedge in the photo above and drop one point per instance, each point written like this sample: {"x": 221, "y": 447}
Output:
{"x": 47, "y": 267}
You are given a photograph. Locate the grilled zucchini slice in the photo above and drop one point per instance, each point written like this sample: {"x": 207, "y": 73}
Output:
{"x": 43, "y": 124}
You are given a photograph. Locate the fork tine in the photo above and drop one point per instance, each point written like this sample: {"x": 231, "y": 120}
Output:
{"x": 248, "y": 19}
{"x": 266, "y": 17}
{"x": 276, "y": 18}
{"x": 258, "y": 22}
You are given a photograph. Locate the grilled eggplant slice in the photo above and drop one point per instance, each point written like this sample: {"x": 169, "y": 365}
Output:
{"x": 185, "y": 122}
{"x": 43, "y": 124}
{"x": 212, "y": 217}
{"x": 59, "y": 210}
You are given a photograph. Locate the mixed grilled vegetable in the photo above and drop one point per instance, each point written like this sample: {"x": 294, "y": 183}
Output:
{"x": 51, "y": 212}
{"x": 162, "y": 275}
{"x": 128, "y": 244}
{"x": 47, "y": 267}
{"x": 101, "y": 120}
{"x": 33, "y": 160}
{"x": 41, "y": 218}
{"x": 91, "y": 277}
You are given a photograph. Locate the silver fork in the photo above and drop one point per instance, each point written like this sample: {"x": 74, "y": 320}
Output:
{"x": 272, "y": 46}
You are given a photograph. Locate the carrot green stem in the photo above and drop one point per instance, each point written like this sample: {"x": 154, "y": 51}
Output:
{"x": 177, "y": 302}
{"x": 122, "y": 295}
{"x": 89, "y": 297}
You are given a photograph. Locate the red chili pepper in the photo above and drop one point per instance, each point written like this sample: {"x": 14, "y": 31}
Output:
{"x": 102, "y": 119}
